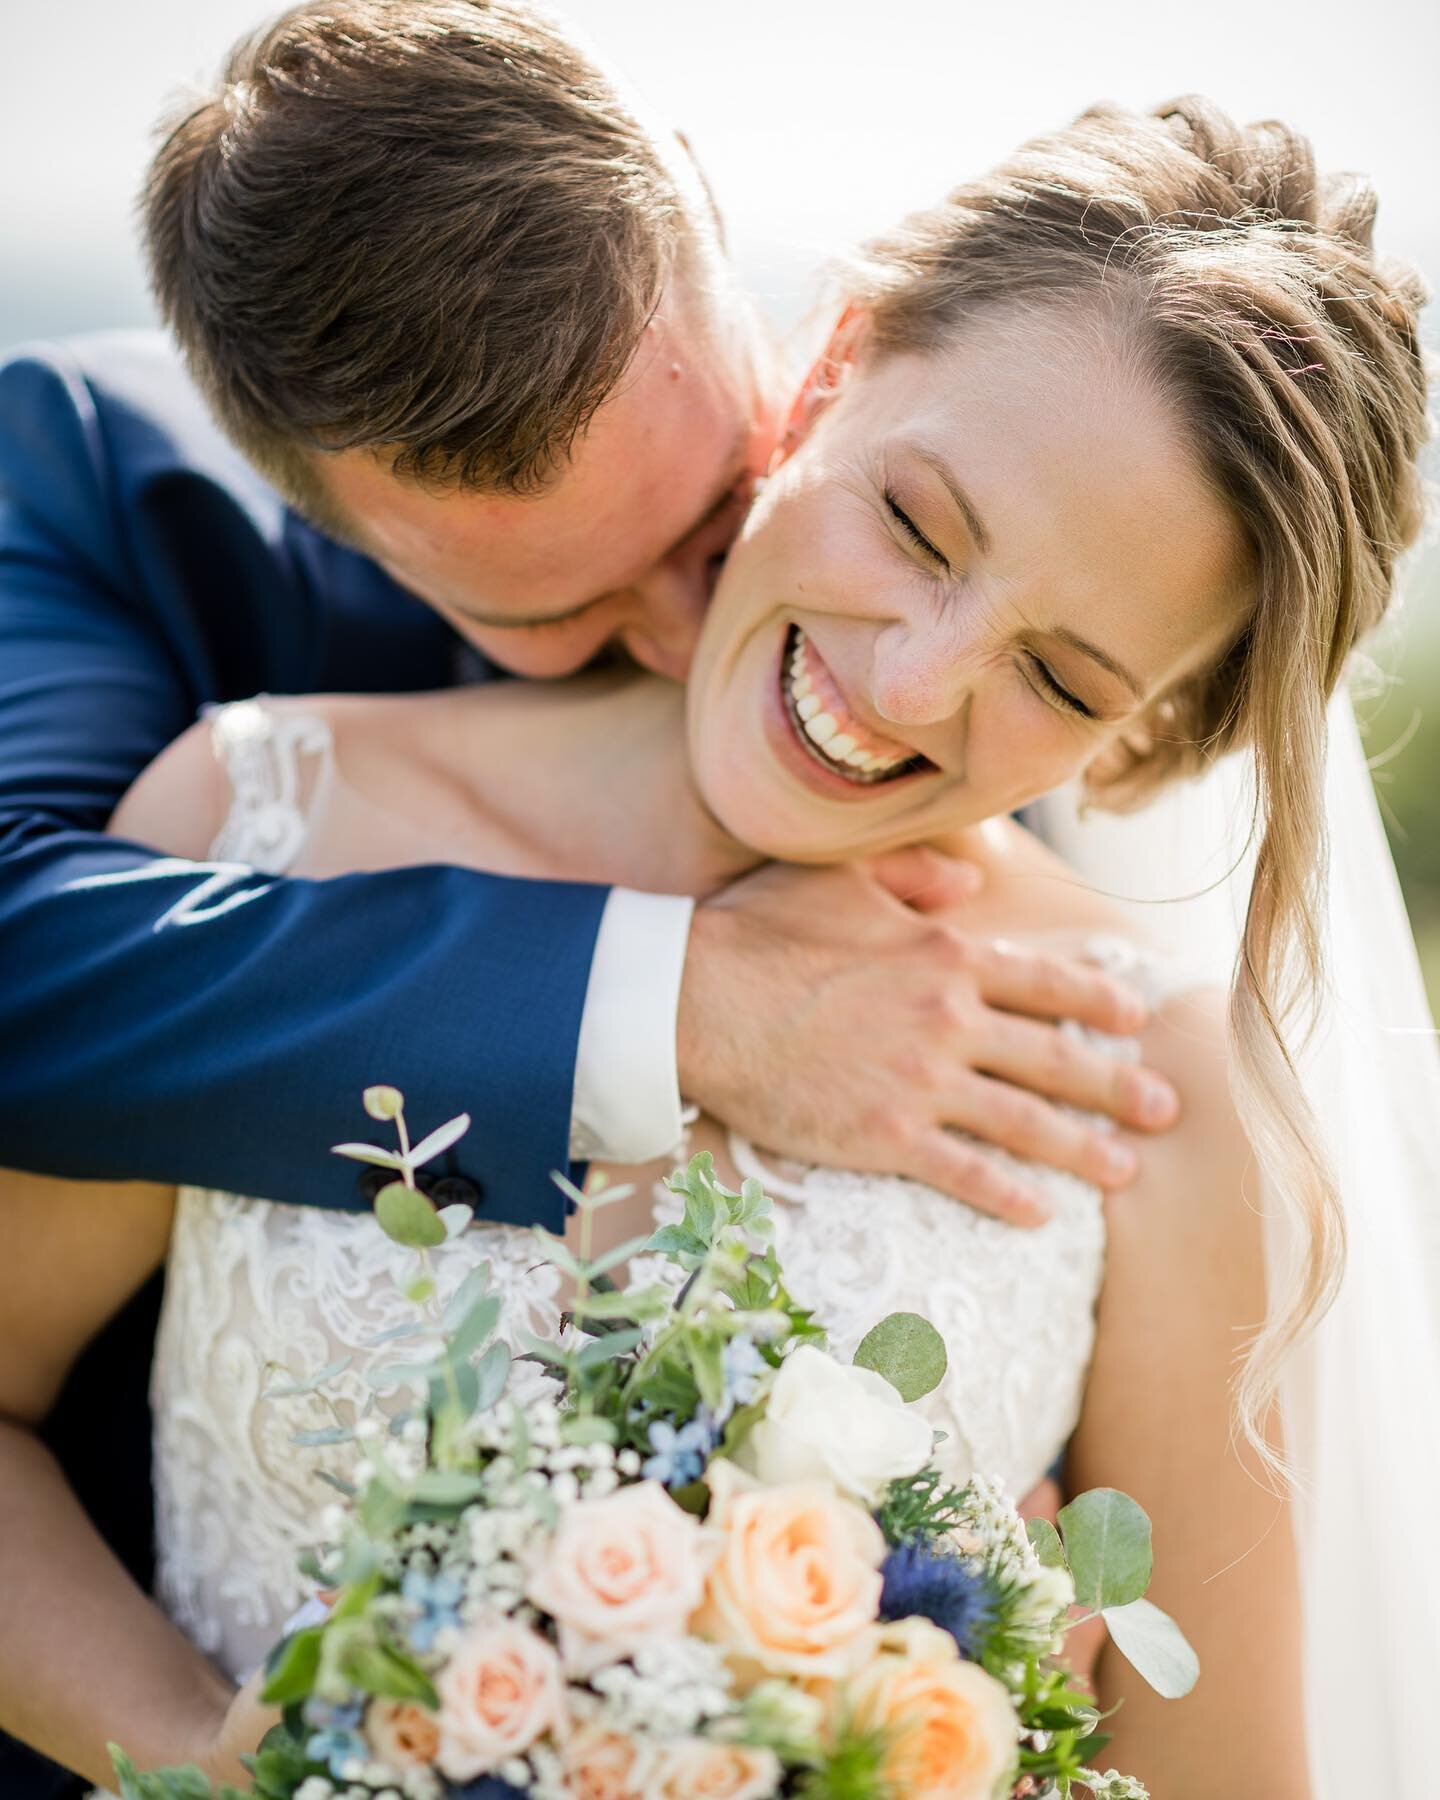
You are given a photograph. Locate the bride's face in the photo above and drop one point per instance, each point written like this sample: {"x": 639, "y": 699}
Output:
{"x": 973, "y": 571}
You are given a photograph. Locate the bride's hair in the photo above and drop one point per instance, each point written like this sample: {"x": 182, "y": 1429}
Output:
{"x": 1245, "y": 285}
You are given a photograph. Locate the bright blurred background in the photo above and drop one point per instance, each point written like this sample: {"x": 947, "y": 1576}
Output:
{"x": 816, "y": 123}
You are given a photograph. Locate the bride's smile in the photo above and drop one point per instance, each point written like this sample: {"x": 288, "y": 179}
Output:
{"x": 972, "y": 572}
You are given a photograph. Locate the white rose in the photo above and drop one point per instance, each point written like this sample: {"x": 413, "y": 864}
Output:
{"x": 834, "y": 1422}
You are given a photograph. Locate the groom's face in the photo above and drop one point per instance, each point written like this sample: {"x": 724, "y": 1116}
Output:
{"x": 622, "y": 548}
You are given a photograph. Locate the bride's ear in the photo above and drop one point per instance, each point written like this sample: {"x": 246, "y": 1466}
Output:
{"x": 828, "y": 375}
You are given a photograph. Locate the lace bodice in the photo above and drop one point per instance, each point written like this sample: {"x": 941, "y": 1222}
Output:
{"x": 254, "y": 1289}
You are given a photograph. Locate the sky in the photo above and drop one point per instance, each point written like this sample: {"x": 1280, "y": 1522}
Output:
{"x": 817, "y": 120}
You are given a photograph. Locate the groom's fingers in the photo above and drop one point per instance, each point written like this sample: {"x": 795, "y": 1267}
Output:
{"x": 1047, "y": 985}
{"x": 1035, "y": 1130}
{"x": 1045, "y": 1060}
{"x": 966, "y": 1172}
{"x": 927, "y": 880}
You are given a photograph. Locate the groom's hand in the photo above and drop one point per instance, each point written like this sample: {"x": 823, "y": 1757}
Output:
{"x": 828, "y": 1019}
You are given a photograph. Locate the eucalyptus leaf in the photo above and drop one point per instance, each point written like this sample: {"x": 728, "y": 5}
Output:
{"x": 329, "y": 1434}
{"x": 619, "y": 1254}
{"x": 408, "y": 1217}
{"x": 633, "y": 1303}
{"x": 474, "y": 1287}
{"x": 457, "y": 1218}
{"x": 417, "y": 1329}
{"x": 1154, "y": 1644}
{"x": 419, "y": 1290}
{"x": 370, "y": 1153}
{"x": 445, "y": 1487}
{"x": 908, "y": 1351}
{"x": 308, "y": 1386}
{"x": 1045, "y": 1541}
{"x": 439, "y": 1140}
{"x": 556, "y": 1250}
{"x": 392, "y": 1375}
{"x": 475, "y": 1327}
{"x": 1107, "y": 1545}
{"x": 347, "y": 1488}
{"x": 607, "y": 1195}
{"x": 491, "y": 1374}
{"x": 614, "y": 1343}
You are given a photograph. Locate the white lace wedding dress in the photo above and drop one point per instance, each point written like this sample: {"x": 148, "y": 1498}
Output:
{"x": 255, "y": 1290}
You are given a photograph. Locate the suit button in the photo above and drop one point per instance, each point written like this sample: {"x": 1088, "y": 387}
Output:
{"x": 457, "y": 1190}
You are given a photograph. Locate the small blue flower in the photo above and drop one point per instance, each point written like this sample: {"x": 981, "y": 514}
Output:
{"x": 438, "y": 1597}
{"x": 485, "y": 1787}
{"x": 743, "y": 1367}
{"x": 680, "y": 1455}
{"x": 943, "y": 1589}
{"x": 337, "y": 1740}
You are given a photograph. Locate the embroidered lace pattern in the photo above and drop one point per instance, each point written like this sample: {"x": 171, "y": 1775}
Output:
{"x": 259, "y": 1294}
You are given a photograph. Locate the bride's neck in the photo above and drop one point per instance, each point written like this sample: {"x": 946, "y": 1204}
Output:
{"x": 592, "y": 775}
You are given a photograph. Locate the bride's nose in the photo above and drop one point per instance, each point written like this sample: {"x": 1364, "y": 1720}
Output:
{"x": 918, "y": 677}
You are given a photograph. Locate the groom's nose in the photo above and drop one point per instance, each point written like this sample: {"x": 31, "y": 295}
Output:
{"x": 668, "y": 610}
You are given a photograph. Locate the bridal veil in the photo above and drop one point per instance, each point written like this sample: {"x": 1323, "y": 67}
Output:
{"x": 1361, "y": 1400}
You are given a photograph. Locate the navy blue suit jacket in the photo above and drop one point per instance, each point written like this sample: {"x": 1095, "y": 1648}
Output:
{"x": 144, "y": 571}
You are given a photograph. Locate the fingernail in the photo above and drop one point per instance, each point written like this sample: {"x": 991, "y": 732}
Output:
{"x": 1120, "y": 1162}
{"x": 1134, "y": 1013}
{"x": 1158, "y": 1101}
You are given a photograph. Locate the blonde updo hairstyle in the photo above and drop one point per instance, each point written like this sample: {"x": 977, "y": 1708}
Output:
{"x": 1246, "y": 287}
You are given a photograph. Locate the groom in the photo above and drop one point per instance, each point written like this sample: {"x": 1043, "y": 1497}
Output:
{"x": 486, "y": 398}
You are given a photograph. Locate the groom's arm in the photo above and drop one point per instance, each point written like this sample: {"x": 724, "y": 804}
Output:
{"x": 167, "y": 1021}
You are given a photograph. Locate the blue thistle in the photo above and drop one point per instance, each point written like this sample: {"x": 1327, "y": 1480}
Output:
{"x": 943, "y": 1589}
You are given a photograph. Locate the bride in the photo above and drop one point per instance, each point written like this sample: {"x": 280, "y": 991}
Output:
{"x": 1103, "y": 473}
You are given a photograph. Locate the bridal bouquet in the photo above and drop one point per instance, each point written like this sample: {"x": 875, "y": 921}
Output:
{"x": 683, "y": 1552}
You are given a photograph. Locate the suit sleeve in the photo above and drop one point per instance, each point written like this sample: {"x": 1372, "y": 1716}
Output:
{"x": 201, "y": 1023}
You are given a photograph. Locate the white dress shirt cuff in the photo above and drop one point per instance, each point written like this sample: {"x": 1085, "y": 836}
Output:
{"x": 627, "y": 1088}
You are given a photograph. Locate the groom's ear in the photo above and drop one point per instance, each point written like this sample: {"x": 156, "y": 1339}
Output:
{"x": 827, "y": 377}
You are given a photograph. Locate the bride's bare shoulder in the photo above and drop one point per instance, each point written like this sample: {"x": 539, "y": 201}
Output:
{"x": 1029, "y": 889}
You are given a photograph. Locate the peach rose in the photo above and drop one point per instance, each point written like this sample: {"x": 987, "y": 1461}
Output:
{"x": 954, "y": 1728}
{"x": 619, "y": 1573}
{"x": 501, "y": 1690}
{"x": 796, "y": 1586}
{"x": 602, "y": 1764}
{"x": 700, "y": 1769}
{"x": 403, "y": 1733}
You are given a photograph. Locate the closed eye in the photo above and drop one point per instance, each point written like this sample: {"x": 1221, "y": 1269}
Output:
{"x": 1059, "y": 694}
{"x": 912, "y": 531}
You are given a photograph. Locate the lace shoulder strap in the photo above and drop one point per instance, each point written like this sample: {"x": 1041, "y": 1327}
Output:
{"x": 278, "y": 765}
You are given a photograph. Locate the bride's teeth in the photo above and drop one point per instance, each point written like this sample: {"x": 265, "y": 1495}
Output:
{"x": 821, "y": 727}
{"x": 840, "y": 748}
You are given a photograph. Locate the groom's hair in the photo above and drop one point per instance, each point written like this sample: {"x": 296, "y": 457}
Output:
{"x": 431, "y": 227}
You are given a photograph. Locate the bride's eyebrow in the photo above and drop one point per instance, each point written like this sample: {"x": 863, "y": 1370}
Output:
{"x": 945, "y": 475}
{"x": 1096, "y": 654}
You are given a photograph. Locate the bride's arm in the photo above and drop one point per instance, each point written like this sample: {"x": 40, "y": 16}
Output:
{"x": 85, "y": 1656}
{"x": 1184, "y": 1286}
